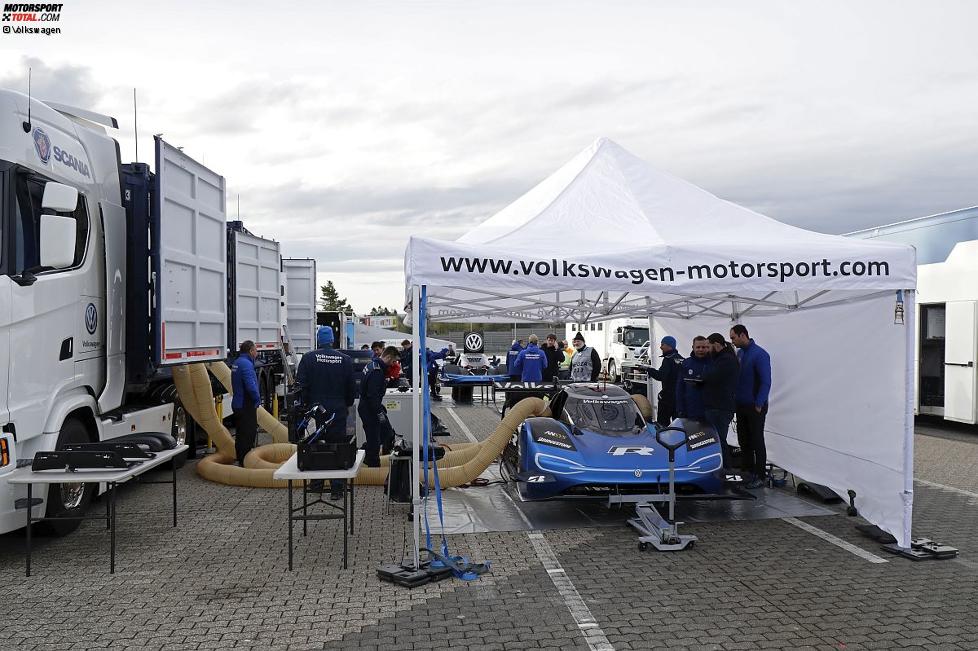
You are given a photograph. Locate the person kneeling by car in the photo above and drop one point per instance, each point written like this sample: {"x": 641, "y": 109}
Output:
{"x": 373, "y": 414}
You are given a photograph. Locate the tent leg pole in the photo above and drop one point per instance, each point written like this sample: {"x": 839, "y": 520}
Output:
{"x": 416, "y": 425}
{"x": 648, "y": 381}
{"x": 910, "y": 318}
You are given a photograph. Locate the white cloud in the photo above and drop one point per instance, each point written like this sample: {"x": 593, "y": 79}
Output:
{"x": 347, "y": 127}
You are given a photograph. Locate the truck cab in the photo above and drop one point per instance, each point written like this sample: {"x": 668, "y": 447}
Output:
{"x": 90, "y": 282}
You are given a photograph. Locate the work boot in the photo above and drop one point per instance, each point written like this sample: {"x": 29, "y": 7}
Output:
{"x": 316, "y": 486}
{"x": 336, "y": 494}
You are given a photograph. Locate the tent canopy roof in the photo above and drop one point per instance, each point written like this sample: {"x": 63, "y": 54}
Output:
{"x": 607, "y": 235}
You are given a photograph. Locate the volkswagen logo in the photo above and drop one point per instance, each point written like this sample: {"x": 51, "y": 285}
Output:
{"x": 473, "y": 341}
{"x": 638, "y": 472}
{"x": 91, "y": 318}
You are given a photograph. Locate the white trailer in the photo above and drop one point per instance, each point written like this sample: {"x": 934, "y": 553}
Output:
{"x": 946, "y": 364}
{"x": 300, "y": 283}
{"x": 616, "y": 340}
{"x": 108, "y": 274}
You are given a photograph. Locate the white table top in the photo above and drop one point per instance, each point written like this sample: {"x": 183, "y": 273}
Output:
{"x": 104, "y": 475}
{"x": 290, "y": 470}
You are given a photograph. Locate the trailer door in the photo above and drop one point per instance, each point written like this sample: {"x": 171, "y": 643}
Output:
{"x": 257, "y": 265}
{"x": 959, "y": 361}
{"x": 300, "y": 278}
{"x": 191, "y": 273}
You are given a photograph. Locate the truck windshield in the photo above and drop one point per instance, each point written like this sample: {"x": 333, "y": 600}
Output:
{"x": 634, "y": 336}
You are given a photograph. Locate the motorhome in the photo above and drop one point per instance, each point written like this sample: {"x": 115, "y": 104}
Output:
{"x": 946, "y": 310}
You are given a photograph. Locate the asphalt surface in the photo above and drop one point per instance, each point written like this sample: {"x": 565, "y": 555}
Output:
{"x": 219, "y": 580}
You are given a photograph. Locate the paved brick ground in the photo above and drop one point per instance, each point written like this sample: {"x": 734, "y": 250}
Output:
{"x": 219, "y": 580}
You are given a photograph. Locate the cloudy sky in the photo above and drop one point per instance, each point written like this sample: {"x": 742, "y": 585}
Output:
{"x": 347, "y": 126}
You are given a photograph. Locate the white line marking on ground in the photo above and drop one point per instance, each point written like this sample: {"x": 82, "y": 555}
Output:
{"x": 465, "y": 429}
{"x": 838, "y": 542}
{"x": 952, "y": 489}
{"x": 593, "y": 635}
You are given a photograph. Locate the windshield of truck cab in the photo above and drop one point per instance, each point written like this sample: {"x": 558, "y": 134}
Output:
{"x": 633, "y": 337}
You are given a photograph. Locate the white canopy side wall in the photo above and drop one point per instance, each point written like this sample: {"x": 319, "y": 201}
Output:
{"x": 837, "y": 405}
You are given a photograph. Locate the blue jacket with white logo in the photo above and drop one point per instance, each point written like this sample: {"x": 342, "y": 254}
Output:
{"x": 511, "y": 356}
{"x": 689, "y": 387}
{"x": 244, "y": 382}
{"x": 530, "y": 364}
{"x": 754, "y": 382}
{"x": 325, "y": 377}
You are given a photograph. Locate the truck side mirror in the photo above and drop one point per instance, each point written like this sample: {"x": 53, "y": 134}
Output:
{"x": 57, "y": 240}
{"x": 59, "y": 197}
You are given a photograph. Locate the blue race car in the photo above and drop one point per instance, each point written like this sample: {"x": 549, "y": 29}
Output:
{"x": 598, "y": 445}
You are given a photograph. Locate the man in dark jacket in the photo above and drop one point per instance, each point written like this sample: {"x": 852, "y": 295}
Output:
{"x": 555, "y": 357}
{"x": 325, "y": 378}
{"x": 373, "y": 414}
{"x": 245, "y": 401}
{"x": 689, "y": 388}
{"x": 668, "y": 375}
{"x": 431, "y": 359}
{"x": 586, "y": 362}
{"x": 531, "y": 362}
{"x": 719, "y": 384}
{"x": 753, "y": 388}
{"x": 407, "y": 360}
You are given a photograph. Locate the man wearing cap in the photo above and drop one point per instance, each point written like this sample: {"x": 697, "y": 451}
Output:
{"x": 668, "y": 375}
{"x": 586, "y": 363}
{"x": 531, "y": 362}
{"x": 325, "y": 378}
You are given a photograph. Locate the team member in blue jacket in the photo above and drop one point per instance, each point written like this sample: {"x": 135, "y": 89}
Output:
{"x": 511, "y": 355}
{"x": 245, "y": 401}
{"x": 431, "y": 359}
{"x": 325, "y": 378}
{"x": 689, "y": 388}
{"x": 753, "y": 388}
{"x": 373, "y": 388}
{"x": 719, "y": 386}
{"x": 530, "y": 362}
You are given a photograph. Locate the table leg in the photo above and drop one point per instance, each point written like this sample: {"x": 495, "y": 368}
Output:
{"x": 305, "y": 504}
{"x": 345, "y": 523}
{"x": 290, "y": 524}
{"x": 352, "y": 510}
{"x": 30, "y": 507}
{"x": 108, "y": 512}
{"x": 174, "y": 467}
{"x": 112, "y": 488}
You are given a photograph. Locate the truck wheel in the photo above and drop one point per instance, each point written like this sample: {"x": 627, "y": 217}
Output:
{"x": 612, "y": 372}
{"x": 180, "y": 432}
{"x": 67, "y": 499}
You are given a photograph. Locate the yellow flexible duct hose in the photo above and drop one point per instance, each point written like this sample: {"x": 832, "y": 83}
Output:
{"x": 194, "y": 388}
{"x": 278, "y": 431}
{"x": 457, "y": 467}
{"x": 644, "y": 406}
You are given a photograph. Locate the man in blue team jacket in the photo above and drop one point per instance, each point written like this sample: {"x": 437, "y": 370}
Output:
{"x": 325, "y": 378}
{"x": 530, "y": 362}
{"x": 753, "y": 388}
{"x": 689, "y": 388}
{"x": 245, "y": 399}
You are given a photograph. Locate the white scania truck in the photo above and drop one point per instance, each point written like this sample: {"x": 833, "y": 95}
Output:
{"x": 109, "y": 273}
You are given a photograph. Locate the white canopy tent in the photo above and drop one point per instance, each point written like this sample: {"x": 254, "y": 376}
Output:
{"x": 608, "y": 236}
